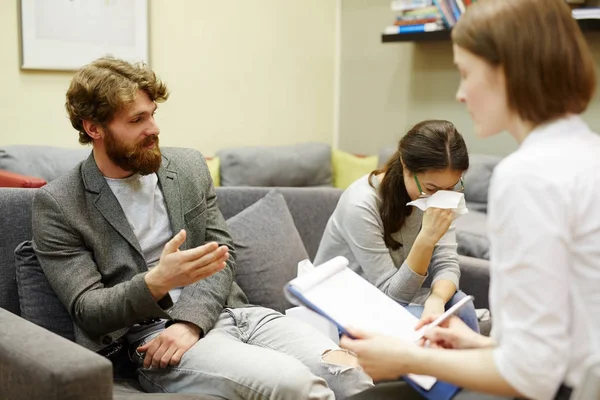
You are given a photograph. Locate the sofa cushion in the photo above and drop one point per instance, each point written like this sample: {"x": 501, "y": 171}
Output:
{"x": 39, "y": 303}
{"x": 310, "y": 208}
{"x": 385, "y": 153}
{"x": 14, "y": 180}
{"x": 307, "y": 164}
{"x": 347, "y": 167}
{"x": 214, "y": 164}
{"x": 477, "y": 178}
{"x": 45, "y": 162}
{"x": 471, "y": 235}
{"x": 268, "y": 249}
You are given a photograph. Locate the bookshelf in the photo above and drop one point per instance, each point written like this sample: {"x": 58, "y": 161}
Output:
{"x": 587, "y": 25}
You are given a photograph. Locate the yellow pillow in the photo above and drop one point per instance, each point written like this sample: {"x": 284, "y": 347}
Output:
{"x": 214, "y": 165}
{"x": 347, "y": 167}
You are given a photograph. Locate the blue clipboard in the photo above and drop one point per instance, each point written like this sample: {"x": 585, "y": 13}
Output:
{"x": 308, "y": 304}
{"x": 439, "y": 391}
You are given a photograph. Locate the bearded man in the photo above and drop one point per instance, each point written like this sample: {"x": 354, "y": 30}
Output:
{"x": 134, "y": 245}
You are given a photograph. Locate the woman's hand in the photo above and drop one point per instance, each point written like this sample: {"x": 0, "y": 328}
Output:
{"x": 381, "y": 357}
{"x": 453, "y": 334}
{"x": 436, "y": 222}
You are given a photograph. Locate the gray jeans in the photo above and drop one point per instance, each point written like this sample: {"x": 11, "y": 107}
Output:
{"x": 257, "y": 353}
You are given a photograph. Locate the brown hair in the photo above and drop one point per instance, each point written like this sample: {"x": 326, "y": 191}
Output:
{"x": 104, "y": 87}
{"x": 429, "y": 145}
{"x": 548, "y": 66}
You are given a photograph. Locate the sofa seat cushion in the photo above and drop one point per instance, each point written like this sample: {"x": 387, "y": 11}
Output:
{"x": 39, "y": 304}
{"x": 471, "y": 235}
{"x": 268, "y": 250}
{"x": 307, "y": 164}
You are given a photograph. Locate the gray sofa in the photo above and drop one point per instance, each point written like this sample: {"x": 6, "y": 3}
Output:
{"x": 36, "y": 363}
{"x": 300, "y": 165}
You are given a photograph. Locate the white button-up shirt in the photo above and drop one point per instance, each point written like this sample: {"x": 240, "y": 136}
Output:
{"x": 544, "y": 228}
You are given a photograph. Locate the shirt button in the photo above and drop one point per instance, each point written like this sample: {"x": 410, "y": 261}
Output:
{"x": 107, "y": 340}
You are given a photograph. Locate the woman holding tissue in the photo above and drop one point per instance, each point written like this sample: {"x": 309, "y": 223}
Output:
{"x": 525, "y": 68}
{"x": 395, "y": 246}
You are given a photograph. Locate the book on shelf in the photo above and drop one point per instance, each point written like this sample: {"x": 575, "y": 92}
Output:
{"x": 419, "y": 12}
{"x": 455, "y": 10}
{"x": 446, "y": 12}
{"x": 426, "y": 15}
{"x": 586, "y": 13}
{"x": 402, "y": 5}
{"x": 428, "y": 27}
{"x": 415, "y": 21}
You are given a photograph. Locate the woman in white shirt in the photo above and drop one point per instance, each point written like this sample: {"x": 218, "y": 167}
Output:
{"x": 525, "y": 68}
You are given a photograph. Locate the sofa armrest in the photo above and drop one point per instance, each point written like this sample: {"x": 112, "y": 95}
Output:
{"x": 36, "y": 363}
{"x": 475, "y": 279}
{"x": 12, "y": 179}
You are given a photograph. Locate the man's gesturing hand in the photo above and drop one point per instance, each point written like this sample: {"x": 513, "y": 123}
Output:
{"x": 183, "y": 267}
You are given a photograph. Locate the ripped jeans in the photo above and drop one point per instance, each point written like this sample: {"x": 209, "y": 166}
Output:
{"x": 258, "y": 353}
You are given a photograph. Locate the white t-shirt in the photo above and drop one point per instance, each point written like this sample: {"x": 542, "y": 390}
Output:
{"x": 544, "y": 228}
{"x": 144, "y": 206}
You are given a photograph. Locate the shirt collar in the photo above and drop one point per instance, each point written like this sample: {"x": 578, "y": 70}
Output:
{"x": 566, "y": 125}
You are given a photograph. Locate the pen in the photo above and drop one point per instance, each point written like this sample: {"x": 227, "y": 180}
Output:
{"x": 450, "y": 312}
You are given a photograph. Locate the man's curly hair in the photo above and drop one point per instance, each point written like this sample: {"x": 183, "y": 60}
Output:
{"x": 100, "y": 89}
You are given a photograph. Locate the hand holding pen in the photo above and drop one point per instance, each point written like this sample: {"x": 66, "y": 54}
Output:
{"x": 450, "y": 332}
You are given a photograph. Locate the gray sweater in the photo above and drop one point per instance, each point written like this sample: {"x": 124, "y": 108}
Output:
{"x": 355, "y": 231}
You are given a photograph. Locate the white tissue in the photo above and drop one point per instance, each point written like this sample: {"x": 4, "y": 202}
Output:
{"x": 443, "y": 199}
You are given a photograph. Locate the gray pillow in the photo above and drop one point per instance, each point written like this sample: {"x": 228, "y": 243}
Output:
{"x": 44, "y": 162}
{"x": 384, "y": 155}
{"x": 268, "y": 249}
{"x": 477, "y": 178}
{"x": 471, "y": 235}
{"x": 39, "y": 303}
{"x": 300, "y": 165}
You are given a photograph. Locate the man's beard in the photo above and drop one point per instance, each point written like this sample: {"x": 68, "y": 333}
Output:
{"x": 136, "y": 158}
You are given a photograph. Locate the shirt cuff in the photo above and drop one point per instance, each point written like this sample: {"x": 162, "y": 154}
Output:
{"x": 405, "y": 284}
{"x": 447, "y": 276}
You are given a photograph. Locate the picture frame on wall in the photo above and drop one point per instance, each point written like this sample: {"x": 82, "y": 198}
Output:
{"x": 68, "y": 34}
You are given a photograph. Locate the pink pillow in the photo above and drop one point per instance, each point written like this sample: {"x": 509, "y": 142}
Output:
{"x": 11, "y": 179}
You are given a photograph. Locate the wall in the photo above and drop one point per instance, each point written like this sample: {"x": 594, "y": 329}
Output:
{"x": 240, "y": 73}
{"x": 386, "y": 88}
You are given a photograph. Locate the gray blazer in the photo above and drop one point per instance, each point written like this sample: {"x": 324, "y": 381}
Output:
{"x": 94, "y": 262}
